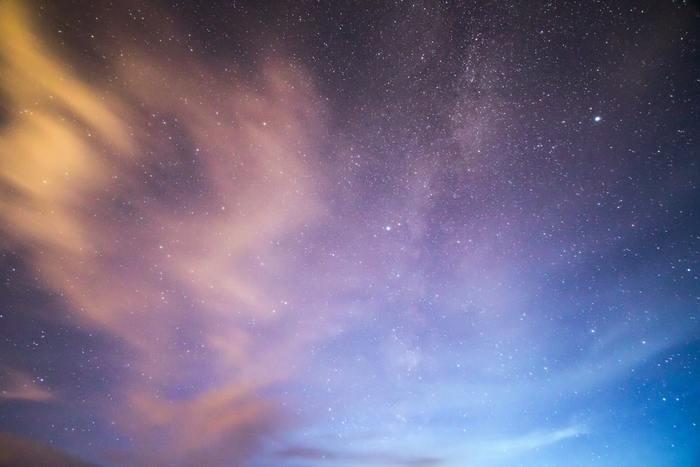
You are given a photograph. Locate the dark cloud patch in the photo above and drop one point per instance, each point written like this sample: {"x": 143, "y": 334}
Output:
{"x": 18, "y": 451}
{"x": 378, "y": 458}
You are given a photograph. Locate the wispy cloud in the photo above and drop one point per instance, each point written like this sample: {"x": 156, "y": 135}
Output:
{"x": 196, "y": 288}
{"x": 538, "y": 439}
{"x": 18, "y": 385}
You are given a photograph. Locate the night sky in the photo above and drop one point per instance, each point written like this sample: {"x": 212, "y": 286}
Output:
{"x": 339, "y": 234}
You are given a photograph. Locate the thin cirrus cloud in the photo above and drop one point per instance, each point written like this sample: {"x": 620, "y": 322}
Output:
{"x": 18, "y": 385}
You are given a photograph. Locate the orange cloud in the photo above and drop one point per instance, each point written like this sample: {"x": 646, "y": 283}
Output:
{"x": 158, "y": 242}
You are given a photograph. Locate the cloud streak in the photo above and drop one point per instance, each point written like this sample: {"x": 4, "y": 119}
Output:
{"x": 18, "y": 385}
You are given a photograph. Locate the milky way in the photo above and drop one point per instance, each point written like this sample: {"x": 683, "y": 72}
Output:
{"x": 349, "y": 234}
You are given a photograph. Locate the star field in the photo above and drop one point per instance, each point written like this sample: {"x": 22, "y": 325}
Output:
{"x": 349, "y": 234}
